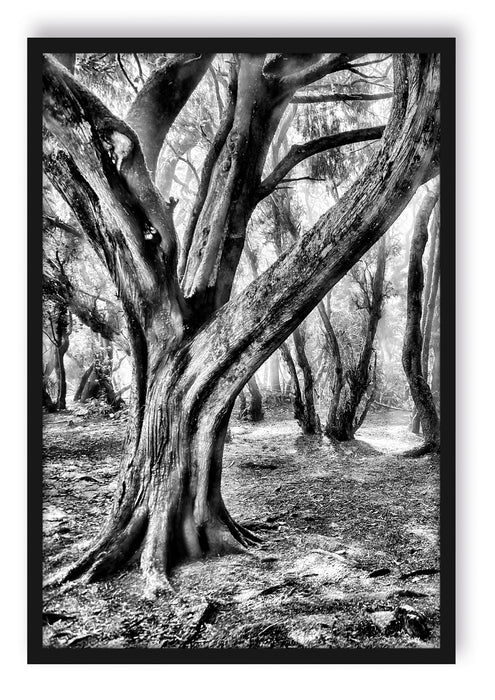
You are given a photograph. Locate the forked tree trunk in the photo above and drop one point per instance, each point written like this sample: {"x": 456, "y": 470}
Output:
{"x": 411, "y": 352}
{"x": 192, "y": 352}
{"x": 358, "y": 383}
{"x": 309, "y": 421}
{"x": 297, "y": 400}
{"x": 168, "y": 504}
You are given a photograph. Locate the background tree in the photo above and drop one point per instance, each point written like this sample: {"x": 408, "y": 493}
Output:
{"x": 354, "y": 390}
{"x": 193, "y": 350}
{"x": 413, "y": 341}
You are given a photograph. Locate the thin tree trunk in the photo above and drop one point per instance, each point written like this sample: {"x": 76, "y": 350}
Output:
{"x": 251, "y": 408}
{"x": 256, "y": 408}
{"x": 309, "y": 422}
{"x": 296, "y": 387}
{"x": 411, "y": 352}
{"x": 338, "y": 381}
{"x": 82, "y": 383}
{"x": 274, "y": 374}
{"x": 430, "y": 302}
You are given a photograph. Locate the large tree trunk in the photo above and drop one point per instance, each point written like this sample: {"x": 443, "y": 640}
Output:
{"x": 168, "y": 504}
{"x": 192, "y": 356}
{"x": 411, "y": 352}
{"x": 61, "y": 379}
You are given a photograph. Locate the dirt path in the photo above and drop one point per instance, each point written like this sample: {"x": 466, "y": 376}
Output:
{"x": 341, "y": 526}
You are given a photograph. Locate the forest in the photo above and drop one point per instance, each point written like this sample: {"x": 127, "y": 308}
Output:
{"x": 241, "y": 350}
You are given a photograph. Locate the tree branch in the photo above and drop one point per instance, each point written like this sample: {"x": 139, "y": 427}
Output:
{"x": 103, "y": 177}
{"x": 161, "y": 99}
{"x": 298, "y": 153}
{"x": 62, "y": 290}
{"x": 341, "y": 97}
{"x": 328, "y": 63}
{"x": 207, "y": 172}
{"x": 258, "y": 320}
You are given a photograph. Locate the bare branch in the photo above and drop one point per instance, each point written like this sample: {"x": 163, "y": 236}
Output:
{"x": 300, "y": 152}
{"x": 341, "y": 97}
{"x": 63, "y": 225}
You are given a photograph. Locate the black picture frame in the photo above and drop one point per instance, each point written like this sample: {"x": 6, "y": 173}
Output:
{"x": 445, "y": 654}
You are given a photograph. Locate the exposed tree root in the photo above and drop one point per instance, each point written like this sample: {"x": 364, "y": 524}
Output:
{"x": 426, "y": 449}
{"x": 142, "y": 539}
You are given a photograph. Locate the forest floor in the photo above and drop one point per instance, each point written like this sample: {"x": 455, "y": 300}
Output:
{"x": 344, "y": 529}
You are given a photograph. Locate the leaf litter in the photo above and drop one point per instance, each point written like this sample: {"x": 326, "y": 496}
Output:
{"x": 343, "y": 527}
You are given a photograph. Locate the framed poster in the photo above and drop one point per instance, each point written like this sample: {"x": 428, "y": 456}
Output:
{"x": 235, "y": 450}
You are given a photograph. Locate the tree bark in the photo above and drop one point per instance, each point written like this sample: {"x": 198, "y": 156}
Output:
{"x": 411, "y": 352}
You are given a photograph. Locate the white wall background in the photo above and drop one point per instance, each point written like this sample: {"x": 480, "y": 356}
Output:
{"x": 471, "y": 23}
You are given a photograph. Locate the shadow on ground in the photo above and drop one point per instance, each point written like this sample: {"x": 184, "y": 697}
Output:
{"x": 344, "y": 529}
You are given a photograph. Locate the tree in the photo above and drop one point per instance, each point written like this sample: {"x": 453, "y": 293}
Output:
{"x": 413, "y": 341}
{"x": 252, "y": 407}
{"x": 193, "y": 347}
{"x": 429, "y": 299}
{"x": 357, "y": 383}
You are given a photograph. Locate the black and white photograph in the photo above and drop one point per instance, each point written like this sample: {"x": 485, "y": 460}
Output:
{"x": 241, "y": 291}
